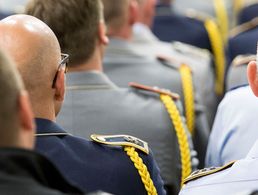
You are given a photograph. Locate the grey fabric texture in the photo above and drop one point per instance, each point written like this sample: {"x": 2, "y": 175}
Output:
{"x": 123, "y": 64}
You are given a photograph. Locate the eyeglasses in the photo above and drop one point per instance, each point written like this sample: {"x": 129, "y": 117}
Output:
{"x": 63, "y": 65}
{"x": 64, "y": 62}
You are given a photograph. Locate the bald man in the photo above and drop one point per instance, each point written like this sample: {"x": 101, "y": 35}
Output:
{"x": 90, "y": 165}
{"x": 22, "y": 170}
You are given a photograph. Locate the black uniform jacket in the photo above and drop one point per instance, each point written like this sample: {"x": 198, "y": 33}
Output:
{"x": 25, "y": 172}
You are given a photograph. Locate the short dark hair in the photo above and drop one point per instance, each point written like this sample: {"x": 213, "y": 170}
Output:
{"x": 115, "y": 12}
{"x": 75, "y": 23}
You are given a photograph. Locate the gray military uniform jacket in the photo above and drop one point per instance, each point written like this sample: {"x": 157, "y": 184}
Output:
{"x": 123, "y": 64}
{"x": 199, "y": 60}
{"x": 93, "y": 104}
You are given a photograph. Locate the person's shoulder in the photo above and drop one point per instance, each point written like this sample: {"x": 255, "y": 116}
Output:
{"x": 203, "y": 173}
{"x": 244, "y": 29}
{"x": 242, "y": 60}
{"x": 122, "y": 141}
{"x": 248, "y": 12}
{"x": 234, "y": 96}
{"x": 111, "y": 144}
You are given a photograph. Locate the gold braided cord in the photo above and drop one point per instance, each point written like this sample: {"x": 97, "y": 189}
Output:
{"x": 188, "y": 91}
{"x": 219, "y": 56}
{"x": 181, "y": 136}
{"x": 142, "y": 170}
{"x": 222, "y": 17}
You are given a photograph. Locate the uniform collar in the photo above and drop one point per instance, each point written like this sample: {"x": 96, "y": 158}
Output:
{"x": 142, "y": 33}
{"x": 122, "y": 48}
{"x": 91, "y": 78}
{"x": 253, "y": 153}
{"x": 45, "y": 126}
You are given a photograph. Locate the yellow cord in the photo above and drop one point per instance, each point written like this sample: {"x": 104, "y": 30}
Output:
{"x": 218, "y": 51}
{"x": 222, "y": 17}
{"x": 142, "y": 170}
{"x": 187, "y": 83}
{"x": 181, "y": 136}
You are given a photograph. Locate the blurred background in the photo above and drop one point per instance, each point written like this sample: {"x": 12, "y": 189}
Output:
{"x": 12, "y": 6}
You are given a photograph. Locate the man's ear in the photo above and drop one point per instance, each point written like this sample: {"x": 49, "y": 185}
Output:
{"x": 253, "y": 77}
{"x": 133, "y": 12}
{"x": 60, "y": 86}
{"x": 26, "y": 116}
{"x": 102, "y": 33}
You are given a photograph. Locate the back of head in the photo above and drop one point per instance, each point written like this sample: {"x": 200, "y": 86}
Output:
{"x": 147, "y": 11}
{"x": 11, "y": 87}
{"x": 115, "y": 13}
{"x": 36, "y": 52}
{"x": 75, "y": 23}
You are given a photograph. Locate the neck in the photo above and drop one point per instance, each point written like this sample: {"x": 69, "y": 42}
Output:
{"x": 145, "y": 21}
{"x": 125, "y": 33}
{"x": 45, "y": 109}
{"x": 93, "y": 64}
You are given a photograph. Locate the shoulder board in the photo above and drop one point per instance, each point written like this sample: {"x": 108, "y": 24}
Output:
{"x": 155, "y": 90}
{"x": 206, "y": 171}
{"x": 169, "y": 61}
{"x": 244, "y": 27}
{"x": 121, "y": 140}
{"x": 242, "y": 60}
{"x": 197, "y": 15}
{"x": 190, "y": 50}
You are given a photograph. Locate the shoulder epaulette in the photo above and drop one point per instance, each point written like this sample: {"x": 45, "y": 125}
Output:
{"x": 191, "y": 50}
{"x": 244, "y": 27}
{"x": 169, "y": 61}
{"x": 155, "y": 90}
{"x": 121, "y": 140}
{"x": 242, "y": 60}
{"x": 207, "y": 171}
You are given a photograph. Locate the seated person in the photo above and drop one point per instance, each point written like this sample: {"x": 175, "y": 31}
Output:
{"x": 235, "y": 176}
{"x": 123, "y": 64}
{"x": 89, "y": 165}
{"x": 233, "y": 122}
{"x": 23, "y": 171}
